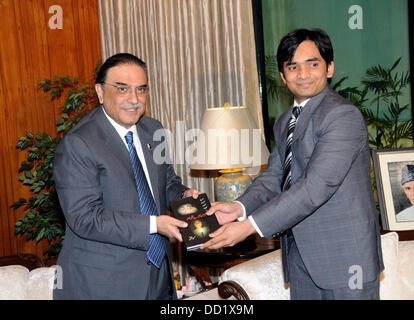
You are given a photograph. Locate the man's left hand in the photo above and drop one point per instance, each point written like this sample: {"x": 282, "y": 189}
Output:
{"x": 192, "y": 192}
{"x": 229, "y": 235}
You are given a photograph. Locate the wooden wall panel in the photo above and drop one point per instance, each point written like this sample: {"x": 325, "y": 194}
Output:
{"x": 29, "y": 52}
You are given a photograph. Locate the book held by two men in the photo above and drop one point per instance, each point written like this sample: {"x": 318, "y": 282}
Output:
{"x": 200, "y": 225}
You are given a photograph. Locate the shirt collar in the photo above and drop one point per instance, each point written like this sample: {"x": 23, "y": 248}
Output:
{"x": 120, "y": 129}
{"x": 302, "y": 104}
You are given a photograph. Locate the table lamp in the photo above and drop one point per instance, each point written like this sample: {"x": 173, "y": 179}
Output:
{"x": 229, "y": 141}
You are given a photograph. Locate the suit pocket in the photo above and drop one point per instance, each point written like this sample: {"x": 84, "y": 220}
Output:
{"x": 94, "y": 259}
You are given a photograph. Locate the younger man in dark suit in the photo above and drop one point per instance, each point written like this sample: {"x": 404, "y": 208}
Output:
{"x": 316, "y": 191}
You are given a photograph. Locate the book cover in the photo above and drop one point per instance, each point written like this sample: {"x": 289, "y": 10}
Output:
{"x": 200, "y": 225}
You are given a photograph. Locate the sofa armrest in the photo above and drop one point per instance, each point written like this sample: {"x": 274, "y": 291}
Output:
{"x": 257, "y": 279}
{"x": 228, "y": 289}
{"x": 41, "y": 283}
{"x": 405, "y": 269}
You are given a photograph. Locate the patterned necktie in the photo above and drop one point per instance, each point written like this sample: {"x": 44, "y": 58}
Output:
{"x": 287, "y": 174}
{"x": 156, "y": 250}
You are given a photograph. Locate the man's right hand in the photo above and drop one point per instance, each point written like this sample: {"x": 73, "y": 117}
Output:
{"x": 226, "y": 211}
{"x": 169, "y": 227}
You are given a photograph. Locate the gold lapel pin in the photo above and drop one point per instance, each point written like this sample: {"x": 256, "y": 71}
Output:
{"x": 149, "y": 146}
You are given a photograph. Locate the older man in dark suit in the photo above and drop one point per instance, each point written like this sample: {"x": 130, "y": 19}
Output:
{"x": 316, "y": 192}
{"x": 114, "y": 195}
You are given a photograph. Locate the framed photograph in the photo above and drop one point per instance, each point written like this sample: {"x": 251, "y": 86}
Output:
{"x": 394, "y": 174}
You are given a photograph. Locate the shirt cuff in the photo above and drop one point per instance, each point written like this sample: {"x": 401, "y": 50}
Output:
{"x": 244, "y": 211}
{"x": 255, "y": 226}
{"x": 244, "y": 217}
{"x": 153, "y": 224}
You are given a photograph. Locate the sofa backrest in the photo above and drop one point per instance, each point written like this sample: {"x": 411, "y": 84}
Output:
{"x": 18, "y": 283}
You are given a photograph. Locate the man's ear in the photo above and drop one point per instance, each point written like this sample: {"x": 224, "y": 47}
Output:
{"x": 99, "y": 92}
{"x": 331, "y": 69}
{"x": 283, "y": 77}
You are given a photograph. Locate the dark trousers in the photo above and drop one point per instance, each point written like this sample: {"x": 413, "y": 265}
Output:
{"x": 160, "y": 283}
{"x": 302, "y": 286}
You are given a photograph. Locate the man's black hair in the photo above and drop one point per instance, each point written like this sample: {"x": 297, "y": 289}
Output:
{"x": 290, "y": 42}
{"x": 118, "y": 59}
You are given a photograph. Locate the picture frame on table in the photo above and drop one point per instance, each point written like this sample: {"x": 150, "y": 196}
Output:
{"x": 394, "y": 173}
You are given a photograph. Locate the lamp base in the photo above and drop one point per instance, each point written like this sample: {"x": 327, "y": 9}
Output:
{"x": 231, "y": 184}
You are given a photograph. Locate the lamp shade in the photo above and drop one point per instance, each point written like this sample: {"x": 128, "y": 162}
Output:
{"x": 228, "y": 138}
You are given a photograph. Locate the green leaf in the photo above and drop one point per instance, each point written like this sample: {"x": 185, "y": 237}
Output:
{"x": 395, "y": 64}
{"x": 40, "y": 235}
{"x": 30, "y": 215}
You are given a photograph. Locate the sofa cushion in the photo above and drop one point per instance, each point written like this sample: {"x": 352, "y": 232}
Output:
{"x": 406, "y": 263}
{"x": 390, "y": 283}
{"x": 13, "y": 282}
{"x": 40, "y": 284}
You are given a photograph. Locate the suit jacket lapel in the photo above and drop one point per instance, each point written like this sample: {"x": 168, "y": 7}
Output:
{"x": 113, "y": 141}
{"x": 307, "y": 112}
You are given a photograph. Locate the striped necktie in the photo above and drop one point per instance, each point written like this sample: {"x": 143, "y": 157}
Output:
{"x": 156, "y": 250}
{"x": 287, "y": 174}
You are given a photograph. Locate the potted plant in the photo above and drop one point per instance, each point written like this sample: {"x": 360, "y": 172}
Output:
{"x": 43, "y": 217}
{"x": 384, "y": 112}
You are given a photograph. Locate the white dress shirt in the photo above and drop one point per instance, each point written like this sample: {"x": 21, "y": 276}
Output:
{"x": 244, "y": 209}
{"x": 122, "y": 133}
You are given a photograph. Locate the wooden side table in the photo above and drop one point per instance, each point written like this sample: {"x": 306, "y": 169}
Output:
{"x": 28, "y": 260}
{"x": 201, "y": 261}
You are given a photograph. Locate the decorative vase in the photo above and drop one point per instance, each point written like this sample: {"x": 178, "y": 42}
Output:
{"x": 231, "y": 184}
